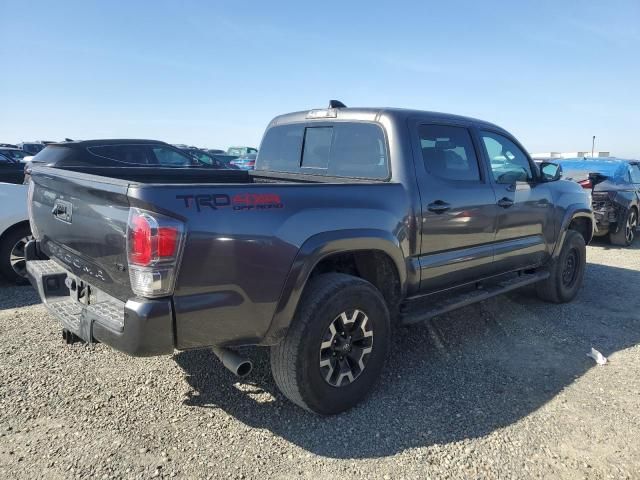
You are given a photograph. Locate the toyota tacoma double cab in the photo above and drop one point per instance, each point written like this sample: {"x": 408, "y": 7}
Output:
{"x": 354, "y": 221}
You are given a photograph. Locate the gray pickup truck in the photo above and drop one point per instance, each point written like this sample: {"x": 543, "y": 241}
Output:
{"x": 355, "y": 221}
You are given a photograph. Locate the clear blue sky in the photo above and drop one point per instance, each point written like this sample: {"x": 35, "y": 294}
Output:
{"x": 214, "y": 73}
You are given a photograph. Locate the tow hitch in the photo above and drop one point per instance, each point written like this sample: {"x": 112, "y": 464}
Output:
{"x": 70, "y": 338}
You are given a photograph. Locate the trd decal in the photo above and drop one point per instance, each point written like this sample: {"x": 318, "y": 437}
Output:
{"x": 205, "y": 201}
{"x": 239, "y": 201}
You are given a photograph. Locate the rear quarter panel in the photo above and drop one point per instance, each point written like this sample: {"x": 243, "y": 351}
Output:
{"x": 236, "y": 260}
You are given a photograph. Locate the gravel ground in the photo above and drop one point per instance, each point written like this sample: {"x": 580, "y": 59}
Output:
{"x": 501, "y": 389}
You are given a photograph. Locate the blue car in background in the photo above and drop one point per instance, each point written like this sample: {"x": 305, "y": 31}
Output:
{"x": 241, "y": 151}
{"x": 246, "y": 162}
{"x": 615, "y": 190}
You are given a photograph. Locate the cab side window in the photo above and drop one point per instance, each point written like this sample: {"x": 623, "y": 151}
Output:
{"x": 448, "y": 153}
{"x": 509, "y": 164}
{"x": 635, "y": 173}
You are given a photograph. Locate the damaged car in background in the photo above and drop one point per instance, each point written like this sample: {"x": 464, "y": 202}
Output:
{"x": 615, "y": 185}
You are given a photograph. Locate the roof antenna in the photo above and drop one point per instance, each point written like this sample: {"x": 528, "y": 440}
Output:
{"x": 336, "y": 104}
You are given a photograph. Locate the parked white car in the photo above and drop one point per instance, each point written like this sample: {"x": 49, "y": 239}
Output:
{"x": 14, "y": 231}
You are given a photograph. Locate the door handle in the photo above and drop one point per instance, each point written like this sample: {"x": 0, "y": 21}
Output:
{"x": 62, "y": 210}
{"x": 505, "y": 202}
{"x": 438, "y": 206}
{"x": 58, "y": 210}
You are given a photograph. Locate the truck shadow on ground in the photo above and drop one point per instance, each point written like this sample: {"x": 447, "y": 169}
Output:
{"x": 460, "y": 376}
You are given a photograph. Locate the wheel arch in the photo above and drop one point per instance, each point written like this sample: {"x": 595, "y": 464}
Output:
{"x": 577, "y": 217}
{"x": 14, "y": 227}
{"x": 376, "y": 255}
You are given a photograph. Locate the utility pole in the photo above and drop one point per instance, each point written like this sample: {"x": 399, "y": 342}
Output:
{"x": 593, "y": 145}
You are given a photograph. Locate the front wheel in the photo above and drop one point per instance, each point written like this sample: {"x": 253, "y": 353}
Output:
{"x": 336, "y": 345}
{"x": 627, "y": 231}
{"x": 566, "y": 271}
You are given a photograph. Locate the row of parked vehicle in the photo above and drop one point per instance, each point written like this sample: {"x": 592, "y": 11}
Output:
{"x": 15, "y": 161}
{"x": 243, "y": 158}
{"x": 29, "y": 148}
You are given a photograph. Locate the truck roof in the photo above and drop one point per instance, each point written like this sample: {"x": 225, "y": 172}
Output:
{"x": 375, "y": 113}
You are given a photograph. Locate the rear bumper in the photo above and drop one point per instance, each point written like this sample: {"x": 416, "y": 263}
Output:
{"x": 138, "y": 327}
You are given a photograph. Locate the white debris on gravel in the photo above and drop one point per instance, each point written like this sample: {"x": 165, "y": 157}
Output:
{"x": 503, "y": 391}
{"x": 597, "y": 356}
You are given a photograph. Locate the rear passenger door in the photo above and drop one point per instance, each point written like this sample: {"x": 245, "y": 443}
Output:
{"x": 458, "y": 223}
{"x": 525, "y": 229}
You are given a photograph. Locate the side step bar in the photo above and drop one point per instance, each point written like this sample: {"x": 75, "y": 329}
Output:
{"x": 425, "y": 308}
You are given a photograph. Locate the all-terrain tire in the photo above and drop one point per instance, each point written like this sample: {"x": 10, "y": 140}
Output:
{"x": 296, "y": 360}
{"x": 566, "y": 271}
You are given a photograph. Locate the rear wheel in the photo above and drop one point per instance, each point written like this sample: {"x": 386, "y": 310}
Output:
{"x": 336, "y": 345}
{"x": 13, "y": 265}
{"x": 566, "y": 272}
{"x": 627, "y": 231}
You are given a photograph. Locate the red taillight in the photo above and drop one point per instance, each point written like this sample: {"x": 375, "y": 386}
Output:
{"x": 167, "y": 241}
{"x": 586, "y": 183}
{"x": 153, "y": 246}
{"x": 149, "y": 242}
{"x": 140, "y": 251}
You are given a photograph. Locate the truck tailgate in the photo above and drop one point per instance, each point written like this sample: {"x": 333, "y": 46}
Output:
{"x": 81, "y": 222}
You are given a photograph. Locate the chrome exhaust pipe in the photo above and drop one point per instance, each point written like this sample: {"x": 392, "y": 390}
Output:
{"x": 239, "y": 365}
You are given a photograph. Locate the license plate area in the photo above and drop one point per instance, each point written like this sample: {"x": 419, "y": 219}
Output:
{"x": 79, "y": 290}
{"x": 74, "y": 302}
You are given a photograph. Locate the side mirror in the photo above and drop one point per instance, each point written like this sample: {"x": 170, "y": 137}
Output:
{"x": 550, "y": 171}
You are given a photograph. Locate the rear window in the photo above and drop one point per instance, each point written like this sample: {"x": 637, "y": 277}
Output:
{"x": 355, "y": 150}
{"x": 317, "y": 145}
{"x": 53, "y": 154}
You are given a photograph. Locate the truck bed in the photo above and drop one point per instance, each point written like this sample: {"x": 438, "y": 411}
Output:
{"x": 243, "y": 234}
